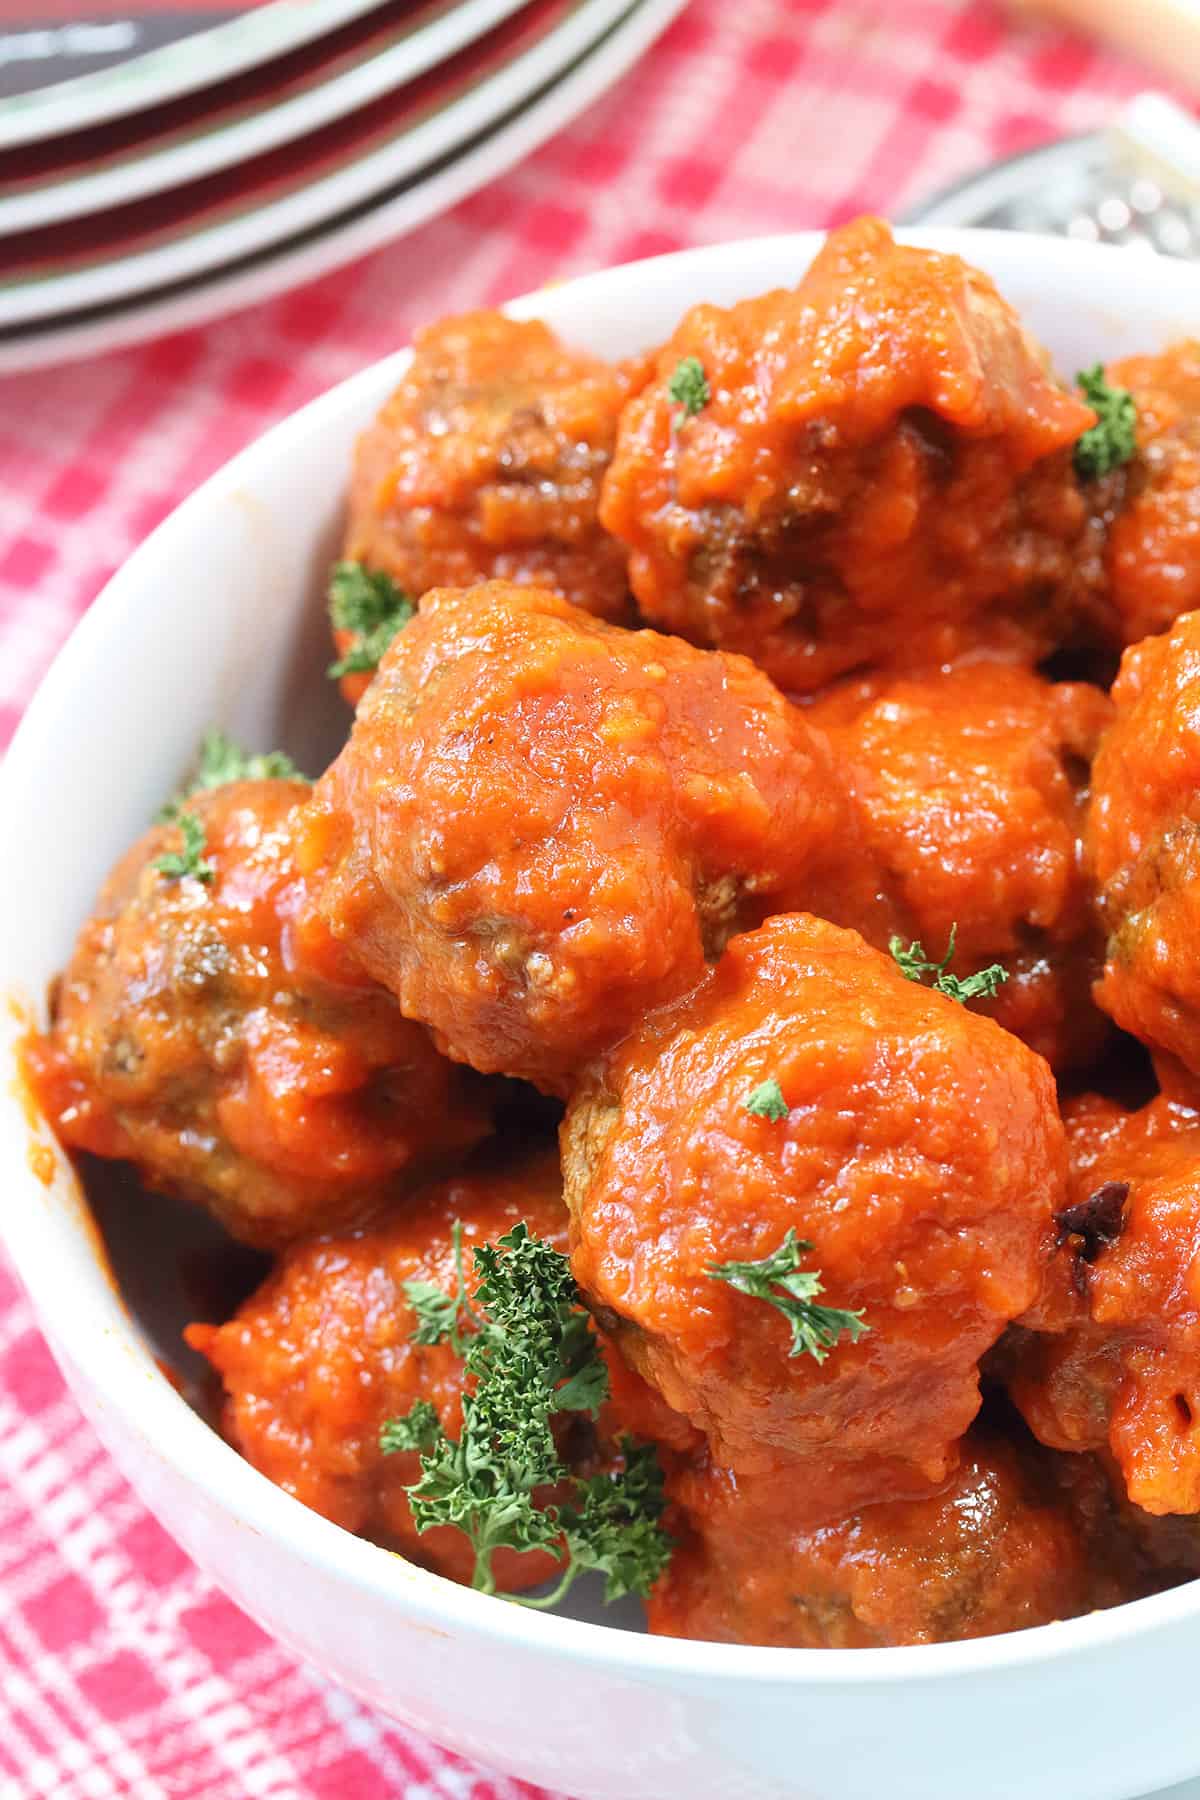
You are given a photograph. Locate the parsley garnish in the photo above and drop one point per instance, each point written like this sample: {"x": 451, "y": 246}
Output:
{"x": 915, "y": 965}
{"x": 441, "y": 1315}
{"x": 189, "y": 860}
{"x": 368, "y": 603}
{"x": 222, "y": 761}
{"x": 689, "y": 389}
{"x": 1112, "y": 440}
{"x": 766, "y": 1101}
{"x": 417, "y": 1430}
{"x": 530, "y": 1354}
{"x": 781, "y": 1282}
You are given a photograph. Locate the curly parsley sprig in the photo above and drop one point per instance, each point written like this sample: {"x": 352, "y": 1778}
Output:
{"x": 190, "y": 860}
{"x": 781, "y": 1282}
{"x": 1112, "y": 440}
{"x": 418, "y": 1429}
{"x": 914, "y": 965}
{"x": 441, "y": 1316}
{"x": 222, "y": 760}
{"x": 373, "y": 608}
{"x": 689, "y": 389}
{"x": 529, "y": 1354}
{"x": 766, "y": 1101}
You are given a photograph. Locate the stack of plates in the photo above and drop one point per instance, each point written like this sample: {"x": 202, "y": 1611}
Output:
{"x": 157, "y": 170}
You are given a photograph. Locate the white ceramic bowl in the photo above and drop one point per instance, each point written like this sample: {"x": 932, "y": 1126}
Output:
{"x": 218, "y": 618}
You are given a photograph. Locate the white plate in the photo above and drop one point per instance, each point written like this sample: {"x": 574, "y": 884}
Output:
{"x": 204, "y": 150}
{"x": 342, "y": 240}
{"x": 207, "y": 56}
{"x": 310, "y": 202}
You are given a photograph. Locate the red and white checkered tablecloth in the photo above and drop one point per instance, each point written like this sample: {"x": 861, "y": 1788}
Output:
{"x": 122, "y": 1670}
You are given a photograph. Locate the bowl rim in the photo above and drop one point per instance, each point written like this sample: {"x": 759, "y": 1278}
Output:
{"x": 122, "y": 1369}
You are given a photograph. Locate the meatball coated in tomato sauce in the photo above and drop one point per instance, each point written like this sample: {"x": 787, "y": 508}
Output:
{"x": 213, "y": 1034}
{"x": 971, "y": 787}
{"x": 1001, "y": 1545}
{"x": 487, "y": 461}
{"x": 879, "y": 476}
{"x": 1144, "y": 842}
{"x": 1113, "y": 1361}
{"x": 322, "y": 1355}
{"x": 543, "y": 825}
{"x": 1152, "y": 557}
{"x": 921, "y": 1156}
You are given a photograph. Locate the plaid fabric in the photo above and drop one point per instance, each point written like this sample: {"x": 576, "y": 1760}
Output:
{"x": 122, "y": 1671}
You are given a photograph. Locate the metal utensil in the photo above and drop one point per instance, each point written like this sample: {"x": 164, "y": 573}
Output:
{"x": 1137, "y": 183}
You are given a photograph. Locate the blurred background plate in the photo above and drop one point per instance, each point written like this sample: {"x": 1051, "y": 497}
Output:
{"x": 129, "y": 250}
{"x": 338, "y": 240}
{"x": 291, "y": 96}
{"x": 139, "y": 52}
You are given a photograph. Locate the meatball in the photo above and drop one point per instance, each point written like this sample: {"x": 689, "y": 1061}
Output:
{"x": 213, "y": 1034}
{"x": 487, "y": 461}
{"x": 1144, "y": 840}
{"x": 315, "y": 1362}
{"x": 1169, "y": 1543}
{"x": 542, "y": 825}
{"x": 913, "y": 1148}
{"x": 1153, "y": 549}
{"x": 998, "y": 1547}
{"x": 1113, "y": 1359}
{"x": 970, "y": 786}
{"x": 877, "y": 472}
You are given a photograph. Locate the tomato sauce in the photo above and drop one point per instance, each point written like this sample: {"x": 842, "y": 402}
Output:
{"x": 741, "y": 787}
